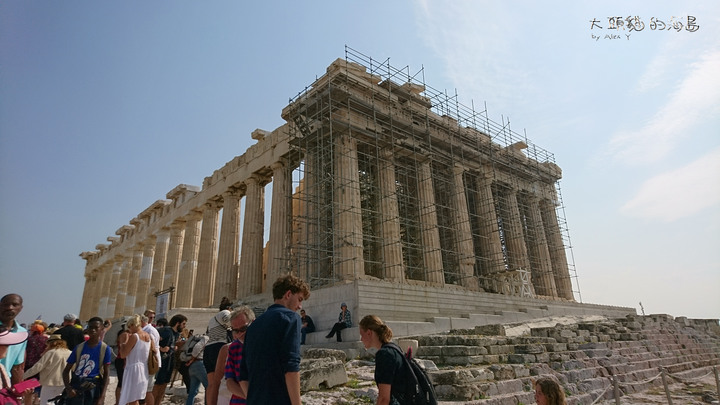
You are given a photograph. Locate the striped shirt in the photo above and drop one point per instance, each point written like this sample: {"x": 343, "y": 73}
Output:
{"x": 232, "y": 367}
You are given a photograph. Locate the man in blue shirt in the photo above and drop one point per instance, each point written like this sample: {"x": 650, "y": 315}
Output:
{"x": 87, "y": 371}
{"x": 270, "y": 366}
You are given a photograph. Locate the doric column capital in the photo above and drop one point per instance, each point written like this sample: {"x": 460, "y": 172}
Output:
{"x": 277, "y": 165}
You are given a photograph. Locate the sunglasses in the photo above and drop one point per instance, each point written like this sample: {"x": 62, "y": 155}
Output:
{"x": 241, "y": 329}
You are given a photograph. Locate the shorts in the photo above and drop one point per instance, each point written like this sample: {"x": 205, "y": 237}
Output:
{"x": 164, "y": 374}
{"x": 119, "y": 370}
{"x": 210, "y": 356}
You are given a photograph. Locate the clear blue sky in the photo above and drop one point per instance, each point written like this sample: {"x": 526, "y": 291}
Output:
{"x": 106, "y": 106}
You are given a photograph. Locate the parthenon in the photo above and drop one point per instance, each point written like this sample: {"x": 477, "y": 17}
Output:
{"x": 375, "y": 178}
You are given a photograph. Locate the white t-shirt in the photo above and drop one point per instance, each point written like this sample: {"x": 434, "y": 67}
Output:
{"x": 155, "y": 336}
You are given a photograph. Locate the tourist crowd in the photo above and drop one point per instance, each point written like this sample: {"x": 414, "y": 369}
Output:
{"x": 239, "y": 359}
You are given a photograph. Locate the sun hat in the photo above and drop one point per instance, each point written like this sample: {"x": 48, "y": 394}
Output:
{"x": 8, "y": 338}
{"x": 55, "y": 336}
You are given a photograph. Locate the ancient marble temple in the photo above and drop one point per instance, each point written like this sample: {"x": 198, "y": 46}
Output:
{"x": 375, "y": 177}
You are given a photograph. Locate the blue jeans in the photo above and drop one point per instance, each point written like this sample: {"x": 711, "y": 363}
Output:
{"x": 198, "y": 376}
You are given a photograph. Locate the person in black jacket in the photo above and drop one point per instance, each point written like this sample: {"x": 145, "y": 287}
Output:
{"x": 308, "y": 326}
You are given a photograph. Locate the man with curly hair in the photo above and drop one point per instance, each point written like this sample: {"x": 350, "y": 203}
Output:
{"x": 270, "y": 366}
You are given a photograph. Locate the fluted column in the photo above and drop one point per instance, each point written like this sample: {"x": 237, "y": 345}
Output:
{"x": 158, "y": 270}
{"x": 226, "y": 275}
{"x": 305, "y": 221}
{"x": 122, "y": 285}
{"x": 141, "y": 298}
{"x": 279, "y": 224}
{"x": 463, "y": 232}
{"x": 174, "y": 255}
{"x": 348, "y": 238}
{"x": 96, "y": 289}
{"x": 514, "y": 237}
{"x": 207, "y": 256}
{"x": 104, "y": 288}
{"x": 556, "y": 248}
{"x": 251, "y": 259}
{"x": 541, "y": 268}
{"x": 188, "y": 264}
{"x": 114, "y": 287}
{"x": 432, "y": 253}
{"x": 394, "y": 269}
{"x": 85, "y": 305}
{"x": 132, "y": 285}
{"x": 490, "y": 244}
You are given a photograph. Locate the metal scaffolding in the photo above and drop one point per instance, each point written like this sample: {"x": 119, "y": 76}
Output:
{"x": 399, "y": 181}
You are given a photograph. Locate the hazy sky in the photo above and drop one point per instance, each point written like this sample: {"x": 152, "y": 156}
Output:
{"x": 107, "y": 106}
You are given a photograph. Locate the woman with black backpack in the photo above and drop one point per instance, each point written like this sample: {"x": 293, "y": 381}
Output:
{"x": 399, "y": 379}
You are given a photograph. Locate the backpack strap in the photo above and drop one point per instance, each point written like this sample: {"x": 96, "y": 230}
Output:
{"x": 413, "y": 380}
{"x": 78, "y": 352}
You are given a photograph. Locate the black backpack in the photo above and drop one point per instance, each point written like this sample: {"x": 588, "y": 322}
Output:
{"x": 419, "y": 389}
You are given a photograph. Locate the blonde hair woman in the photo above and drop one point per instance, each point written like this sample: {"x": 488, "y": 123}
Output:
{"x": 135, "y": 349}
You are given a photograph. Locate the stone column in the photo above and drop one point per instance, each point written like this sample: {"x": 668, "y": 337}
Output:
{"x": 122, "y": 285}
{"x": 207, "y": 256}
{"x": 348, "y": 238}
{"x": 141, "y": 298}
{"x": 114, "y": 287}
{"x": 463, "y": 232}
{"x": 393, "y": 266}
{"x": 95, "y": 290}
{"x": 251, "y": 259}
{"x": 104, "y": 292}
{"x": 432, "y": 253}
{"x": 159, "y": 263}
{"x": 490, "y": 244}
{"x": 514, "y": 238}
{"x": 541, "y": 270}
{"x": 136, "y": 267}
{"x": 188, "y": 264}
{"x": 226, "y": 275}
{"x": 305, "y": 221}
{"x": 174, "y": 255}
{"x": 556, "y": 248}
{"x": 279, "y": 224}
{"x": 85, "y": 303}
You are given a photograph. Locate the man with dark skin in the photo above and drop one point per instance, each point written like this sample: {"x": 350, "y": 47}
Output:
{"x": 10, "y": 307}
{"x": 88, "y": 368}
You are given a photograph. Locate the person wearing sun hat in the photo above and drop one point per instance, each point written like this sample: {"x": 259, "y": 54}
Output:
{"x": 7, "y": 340}
{"x": 50, "y": 368}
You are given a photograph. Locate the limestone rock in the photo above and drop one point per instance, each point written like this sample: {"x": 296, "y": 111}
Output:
{"x": 322, "y": 373}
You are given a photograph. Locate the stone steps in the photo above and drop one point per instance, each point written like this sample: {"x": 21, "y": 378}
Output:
{"x": 480, "y": 369}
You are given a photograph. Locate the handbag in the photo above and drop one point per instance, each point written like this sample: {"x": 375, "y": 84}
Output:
{"x": 152, "y": 363}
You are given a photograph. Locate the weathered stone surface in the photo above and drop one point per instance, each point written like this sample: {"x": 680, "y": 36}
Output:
{"x": 322, "y": 373}
{"x": 493, "y": 330}
{"x": 321, "y": 353}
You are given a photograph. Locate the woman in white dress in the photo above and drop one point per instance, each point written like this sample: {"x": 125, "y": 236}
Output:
{"x": 135, "y": 349}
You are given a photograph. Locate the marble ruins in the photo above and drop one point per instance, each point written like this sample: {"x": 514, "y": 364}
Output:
{"x": 386, "y": 194}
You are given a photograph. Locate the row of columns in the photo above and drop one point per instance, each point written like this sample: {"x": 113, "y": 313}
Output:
{"x": 196, "y": 254}
{"x": 532, "y": 238}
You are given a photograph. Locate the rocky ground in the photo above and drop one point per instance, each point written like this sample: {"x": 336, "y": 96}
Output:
{"x": 361, "y": 390}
